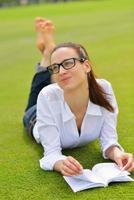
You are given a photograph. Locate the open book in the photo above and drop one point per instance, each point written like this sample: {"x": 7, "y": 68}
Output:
{"x": 100, "y": 176}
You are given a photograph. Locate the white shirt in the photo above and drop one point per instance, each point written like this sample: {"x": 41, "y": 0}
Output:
{"x": 56, "y": 127}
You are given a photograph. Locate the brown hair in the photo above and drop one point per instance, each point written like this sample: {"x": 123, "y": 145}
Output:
{"x": 96, "y": 93}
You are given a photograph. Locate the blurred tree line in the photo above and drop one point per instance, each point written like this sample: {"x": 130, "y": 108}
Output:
{"x": 6, "y": 3}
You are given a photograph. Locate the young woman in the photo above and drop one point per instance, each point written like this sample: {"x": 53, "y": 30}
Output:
{"x": 76, "y": 109}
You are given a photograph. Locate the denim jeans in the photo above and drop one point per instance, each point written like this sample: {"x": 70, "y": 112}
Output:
{"x": 40, "y": 80}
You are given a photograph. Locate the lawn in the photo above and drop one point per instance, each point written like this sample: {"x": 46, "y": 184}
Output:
{"x": 106, "y": 29}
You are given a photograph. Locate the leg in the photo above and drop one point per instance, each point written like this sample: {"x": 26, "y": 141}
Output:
{"x": 39, "y": 81}
{"x": 45, "y": 43}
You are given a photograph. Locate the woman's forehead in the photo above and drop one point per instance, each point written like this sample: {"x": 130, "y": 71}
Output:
{"x": 63, "y": 53}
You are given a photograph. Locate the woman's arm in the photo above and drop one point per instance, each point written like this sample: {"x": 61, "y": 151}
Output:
{"x": 109, "y": 139}
{"x": 49, "y": 136}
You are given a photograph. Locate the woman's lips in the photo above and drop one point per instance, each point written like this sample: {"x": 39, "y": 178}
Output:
{"x": 65, "y": 79}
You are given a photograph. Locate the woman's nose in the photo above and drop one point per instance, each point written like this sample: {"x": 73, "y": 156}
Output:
{"x": 62, "y": 70}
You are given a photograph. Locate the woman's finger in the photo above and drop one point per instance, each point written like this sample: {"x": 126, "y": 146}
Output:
{"x": 75, "y": 163}
{"x": 129, "y": 161}
{"x": 119, "y": 163}
{"x": 71, "y": 166}
{"x": 131, "y": 168}
{"x": 69, "y": 170}
{"x": 64, "y": 173}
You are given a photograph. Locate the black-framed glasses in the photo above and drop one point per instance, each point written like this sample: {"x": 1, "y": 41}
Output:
{"x": 66, "y": 64}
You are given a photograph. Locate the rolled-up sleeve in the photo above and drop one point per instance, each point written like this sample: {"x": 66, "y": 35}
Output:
{"x": 108, "y": 136}
{"x": 49, "y": 134}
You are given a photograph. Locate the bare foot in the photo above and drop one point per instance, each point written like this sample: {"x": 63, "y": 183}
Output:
{"x": 45, "y": 36}
{"x": 40, "y": 41}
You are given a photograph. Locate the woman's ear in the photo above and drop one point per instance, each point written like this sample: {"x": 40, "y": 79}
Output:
{"x": 87, "y": 66}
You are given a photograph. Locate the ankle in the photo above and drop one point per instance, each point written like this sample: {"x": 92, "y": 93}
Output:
{"x": 45, "y": 62}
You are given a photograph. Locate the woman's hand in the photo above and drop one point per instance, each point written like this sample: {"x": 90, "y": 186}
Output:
{"x": 68, "y": 167}
{"x": 125, "y": 161}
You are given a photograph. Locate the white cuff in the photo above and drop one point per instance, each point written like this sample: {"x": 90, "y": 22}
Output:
{"x": 47, "y": 162}
{"x": 110, "y": 144}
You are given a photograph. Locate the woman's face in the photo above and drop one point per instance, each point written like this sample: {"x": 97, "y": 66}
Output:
{"x": 72, "y": 78}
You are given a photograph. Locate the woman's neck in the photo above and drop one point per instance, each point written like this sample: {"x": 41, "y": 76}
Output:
{"x": 77, "y": 99}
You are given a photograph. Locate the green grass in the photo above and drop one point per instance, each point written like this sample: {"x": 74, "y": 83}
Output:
{"x": 106, "y": 29}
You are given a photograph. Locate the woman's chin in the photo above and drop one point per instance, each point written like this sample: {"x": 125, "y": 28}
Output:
{"x": 67, "y": 87}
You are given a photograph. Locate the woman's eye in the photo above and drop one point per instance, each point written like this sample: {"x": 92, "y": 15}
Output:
{"x": 68, "y": 63}
{"x": 55, "y": 67}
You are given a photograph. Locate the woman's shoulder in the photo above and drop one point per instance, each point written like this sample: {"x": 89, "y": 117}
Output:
{"x": 52, "y": 91}
{"x": 105, "y": 84}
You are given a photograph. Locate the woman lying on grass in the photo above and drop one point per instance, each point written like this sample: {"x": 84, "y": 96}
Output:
{"x": 73, "y": 110}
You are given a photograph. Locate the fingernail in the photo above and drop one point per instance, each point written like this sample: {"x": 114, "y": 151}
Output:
{"x": 81, "y": 166}
{"x": 123, "y": 168}
{"x": 81, "y": 172}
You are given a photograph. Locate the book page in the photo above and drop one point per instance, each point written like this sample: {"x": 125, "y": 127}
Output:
{"x": 109, "y": 172}
{"x": 88, "y": 175}
{"x": 77, "y": 183}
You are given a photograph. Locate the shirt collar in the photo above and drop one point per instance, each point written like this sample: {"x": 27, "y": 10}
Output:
{"x": 67, "y": 114}
{"x": 92, "y": 109}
